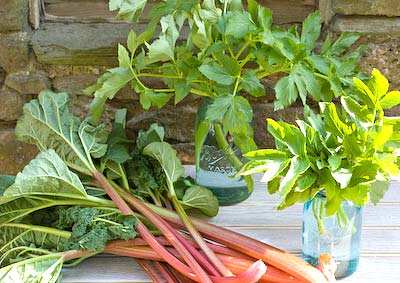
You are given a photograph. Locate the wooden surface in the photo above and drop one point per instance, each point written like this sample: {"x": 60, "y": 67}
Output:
{"x": 380, "y": 248}
{"x": 284, "y": 11}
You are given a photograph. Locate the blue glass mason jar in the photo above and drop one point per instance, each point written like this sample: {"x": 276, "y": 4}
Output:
{"x": 338, "y": 235}
{"x": 214, "y": 170}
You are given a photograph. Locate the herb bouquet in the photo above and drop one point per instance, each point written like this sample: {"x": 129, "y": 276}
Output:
{"x": 335, "y": 161}
{"x": 220, "y": 50}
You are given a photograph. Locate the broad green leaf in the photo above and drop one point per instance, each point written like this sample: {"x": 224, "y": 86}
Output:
{"x": 378, "y": 84}
{"x": 357, "y": 194}
{"x": 342, "y": 176}
{"x": 378, "y": 189}
{"x": 311, "y": 30}
{"x": 166, "y": 156}
{"x": 5, "y": 182}
{"x": 305, "y": 181}
{"x": 48, "y": 123}
{"x": 41, "y": 269}
{"x": 286, "y": 92}
{"x": 366, "y": 94}
{"x": 390, "y": 100}
{"x": 160, "y": 50}
{"x": 251, "y": 84}
{"x": 231, "y": 64}
{"x": 118, "y": 143}
{"x": 201, "y": 198}
{"x": 150, "y": 98}
{"x": 47, "y": 174}
{"x": 128, "y": 9}
{"x": 182, "y": 89}
{"x": 382, "y": 137}
{"x": 253, "y": 167}
{"x": 364, "y": 171}
{"x": 239, "y": 114}
{"x": 273, "y": 186}
{"x": 266, "y": 154}
{"x": 154, "y": 133}
{"x": 217, "y": 73}
{"x": 275, "y": 167}
{"x": 297, "y": 167}
{"x": 132, "y": 41}
{"x": 239, "y": 24}
{"x": 261, "y": 16}
{"x": 14, "y": 235}
{"x": 387, "y": 162}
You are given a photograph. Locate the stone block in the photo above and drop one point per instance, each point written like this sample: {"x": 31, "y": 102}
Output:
{"x": 12, "y": 103}
{"x": 14, "y": 51}
{"x": 14, "y": 155}
{"x": 74, "y": 84}
{"x": 79, "y": 44}
{"x": 13, "y": 15}
{"x": 367, "y": 7}
{"x": 27, "y": 83}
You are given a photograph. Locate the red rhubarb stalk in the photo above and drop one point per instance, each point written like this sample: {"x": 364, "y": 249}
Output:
{"x": 150, "y": 271}
{"x": 164, "y": 272}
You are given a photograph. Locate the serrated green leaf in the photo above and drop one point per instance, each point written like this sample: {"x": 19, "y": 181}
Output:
{"x": 384, "y": 134}
{"x": 311, "y": 30}
{"x": 160, "y": 50}
{"x": 306, "y": 181}
{"x": 239, "y": 24}
{"x": 288, "y": 135}
{"x": 387, "y": 162}
{"x": 334, "y": 122}
{"x": 261, "y": 16}
{"x": 217, "y": 73}
{"x": 268, "y": 154}
{"x": 297, "y": 167}
{"x": 390, "y": 100}
{"x": 286, "y": 92}
{"x": 378, "y": 189}
{"x": 230, "y": 63}
{"x": 154, "y": 133}
{"x": 356, "y": 111}
{"x": 182, "y": 89}
{"x": 345, "y": 40}
{"x": 123, "y": 57}
{"x": 150, "y": 98}
{"x": 128, "y": 9}
{"x": 252, "y": 84}
{"x": 273, "y": 186}
{"x": 357, "y": 194}
{"x": 202, "y": 129}
{"x": 132, "y": 41}
{"x": 378, "y": 84}
{"x": 201, "y": 198}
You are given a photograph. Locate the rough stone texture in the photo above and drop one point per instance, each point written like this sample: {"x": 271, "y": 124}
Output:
{"x": 367, "y": 7}
{"x": 327, "y": 12}
{"x": 74, "y": 84}
{"x": 79, "y": 44}
{"x": 13, "y": 154}
{"x": 14, "y": 51}
{"x": 27, "y": 83}
{"x": 13, "y": 15}
{"x": 12, "y": 103}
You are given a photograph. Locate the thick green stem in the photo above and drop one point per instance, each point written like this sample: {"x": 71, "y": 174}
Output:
{"x": 226, "y": 148}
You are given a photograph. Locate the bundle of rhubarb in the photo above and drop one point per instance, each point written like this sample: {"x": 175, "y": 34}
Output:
{"x": 94, "y": 191}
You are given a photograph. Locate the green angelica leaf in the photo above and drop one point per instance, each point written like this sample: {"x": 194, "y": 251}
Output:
{"x": 40, "y": 269}
{"x": 334, "y": 122}
{"x": 150, "y": 98}
{"x": 47, "y": 174}
{"x": 390, "y": 100}
{"x": 260, "y": 15}
{"x": 252, "y": 84}
{"x": 298, "y": 166}
{"x": 378, "y": 84}
{"x": 239, "y": 24}
{"x": 345, "y": 40}
{"x": 286, "y": 92}
{"x": 128, "y": 9}
{"x": 48, "y": 123}
{"x": 289, "y": 135}
{"x": 201, "y": 198}
{"x": 154, "y": 133}
{"x": 217, "y": 73}
{"x": 360, "y": 113}
{"x": 311, "y": 30}
{"x": 166, "y": 156}
{"x": 123, "y": 57}
{"x": 378, "y": 189}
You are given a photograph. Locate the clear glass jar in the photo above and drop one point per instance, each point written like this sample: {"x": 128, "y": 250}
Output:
{"x": 214, "y": 169}
{"x": 338, "y": 235}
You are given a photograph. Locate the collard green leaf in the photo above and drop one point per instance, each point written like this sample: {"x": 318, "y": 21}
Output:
{"x": 48, "y": 123}
{"x": 14, "y": 235}
{"x": 47, "y": 174}
{"x": 311, "y": 30}
{"x": 201, "y": 198}
{"x": 41, "y": 269}
{"x": 166, "y": 156}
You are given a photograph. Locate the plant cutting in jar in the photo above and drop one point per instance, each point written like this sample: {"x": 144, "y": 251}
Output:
{"x": 222, "y": 51}
{"x": 335, "y": 161}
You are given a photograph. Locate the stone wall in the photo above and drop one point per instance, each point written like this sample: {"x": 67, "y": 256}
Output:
{"x": 70, "y": 55}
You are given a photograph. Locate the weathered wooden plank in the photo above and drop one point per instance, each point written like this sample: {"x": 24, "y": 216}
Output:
{"x": 284, "y": 11}
{"x": 125, "y": 270}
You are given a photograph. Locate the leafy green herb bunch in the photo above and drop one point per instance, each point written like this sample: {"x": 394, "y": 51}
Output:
{"x": 220, "y": 50}
{"x": 348, "y": 151}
